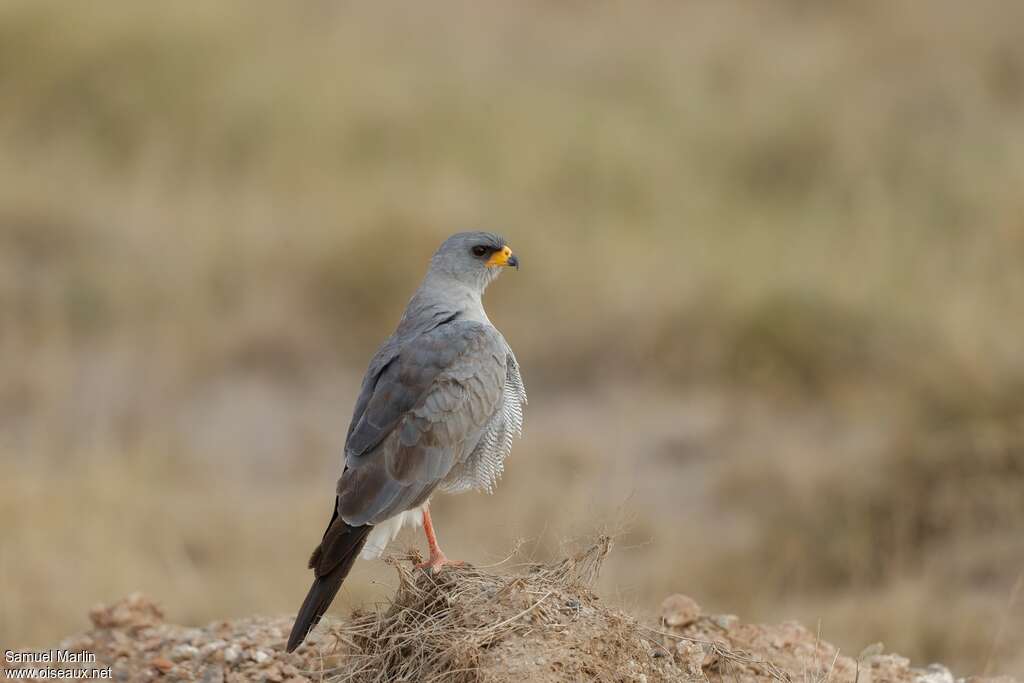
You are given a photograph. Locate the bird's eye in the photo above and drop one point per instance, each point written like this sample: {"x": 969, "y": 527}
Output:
{"x": 479, "y": 250}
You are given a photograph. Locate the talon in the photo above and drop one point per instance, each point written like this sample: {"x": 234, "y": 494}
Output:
{"x": 437, "y": 561}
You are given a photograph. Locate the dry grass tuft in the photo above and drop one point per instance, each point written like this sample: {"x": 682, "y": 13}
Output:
{"x": 466, "y": 625}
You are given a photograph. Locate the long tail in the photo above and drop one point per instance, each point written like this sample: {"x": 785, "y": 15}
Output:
{"x": 331, "y": 562}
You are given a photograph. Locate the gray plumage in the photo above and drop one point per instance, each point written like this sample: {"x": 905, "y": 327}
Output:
{"x": 438, "y": 408}
{"x": 483, "y": 467}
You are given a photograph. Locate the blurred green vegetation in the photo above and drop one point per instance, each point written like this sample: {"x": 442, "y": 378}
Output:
{"x": 807, "y": 214}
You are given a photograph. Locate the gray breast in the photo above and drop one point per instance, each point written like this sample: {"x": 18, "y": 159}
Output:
{"x": 485, "y": 463}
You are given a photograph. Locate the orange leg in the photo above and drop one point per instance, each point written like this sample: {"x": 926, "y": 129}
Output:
{"x": 437, "y": 556}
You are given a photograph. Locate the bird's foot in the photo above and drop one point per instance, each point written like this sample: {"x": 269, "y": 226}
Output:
{"x": 437, "y": 560}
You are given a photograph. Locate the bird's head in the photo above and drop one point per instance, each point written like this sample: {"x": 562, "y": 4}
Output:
{"x": 473, "y": 258}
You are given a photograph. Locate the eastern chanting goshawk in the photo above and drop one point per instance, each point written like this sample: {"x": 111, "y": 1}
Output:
{"x": 437, "y": 411}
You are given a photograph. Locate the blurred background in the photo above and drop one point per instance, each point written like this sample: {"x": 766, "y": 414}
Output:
{"x": 770, "y": 310}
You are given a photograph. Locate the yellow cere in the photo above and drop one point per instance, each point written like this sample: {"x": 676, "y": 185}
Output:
{"x": 500, "y": 258}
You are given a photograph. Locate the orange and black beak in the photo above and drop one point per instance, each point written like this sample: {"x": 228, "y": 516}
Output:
{"x": 503, "y": 257}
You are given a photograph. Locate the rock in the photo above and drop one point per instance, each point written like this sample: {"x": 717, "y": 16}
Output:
{"x": 232, "y": 654}
{"x": 711, "y": 651}
{"x": 935, "y": 673}
{"x": 890, "y": 661}
{"x": 162, "y": 664}
{"x": 679, "y": 610}
{"x": 213, "y": 674}
{"x": 192, "y": 635}
{"x": 151, "y": 644}
{"x": 136, "y": 611}
{"x": 691, "y": 656}
{"x": 873, "y": 650}
{"x": 724, "y": 621}
{"x": 181, "y": 652}
{"x": 260, "y": 657}
{"x": 209, "y": 648}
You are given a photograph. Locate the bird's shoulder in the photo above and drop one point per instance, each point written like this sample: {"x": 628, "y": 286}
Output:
{"x": 442, "y": 346}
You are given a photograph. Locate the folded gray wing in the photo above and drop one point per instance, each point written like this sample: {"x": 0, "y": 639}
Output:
{"x": 482, "y": 468}
{"x": 426, "y": 411}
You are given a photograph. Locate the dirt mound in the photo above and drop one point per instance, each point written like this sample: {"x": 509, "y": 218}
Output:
{"x": 538, "y": 622}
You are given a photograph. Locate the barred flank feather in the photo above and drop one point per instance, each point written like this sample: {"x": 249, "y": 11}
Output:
{"x": 484, "y": 466}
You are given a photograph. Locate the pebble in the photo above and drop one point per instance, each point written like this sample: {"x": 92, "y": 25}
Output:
{"x": 935, "y": 673}
{"x": 213, "y": 674}
{"x": 711, "y": 651}
{"x": 260, "y": 657}
{"x": 192, "y": 634}
{"x": 873, "y": 650}
{"x": 232, "y": 654}
{"x": 891, "y": 660}
{"x": 679, "y": 610}
{"x": 162, "y": 664}
{"x": 691, "y": 655}
{"x": 725, "y": 621}
{"x": 184, "y": 652}
{"x": 211, "y": 647}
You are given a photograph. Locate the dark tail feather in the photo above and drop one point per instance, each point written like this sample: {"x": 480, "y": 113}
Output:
{"x": 331, "y": 563}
